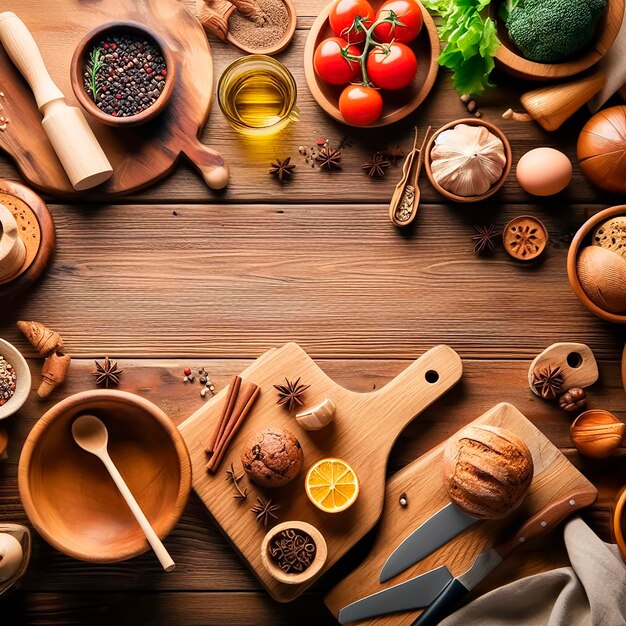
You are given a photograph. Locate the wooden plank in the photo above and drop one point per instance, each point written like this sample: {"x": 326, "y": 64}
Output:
{"x": 206, "y": 561}
{"x": 163, "y": 281}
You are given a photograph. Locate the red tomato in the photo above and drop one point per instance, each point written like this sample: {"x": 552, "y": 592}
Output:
{"x": 360, "y": 105}
{"x": 342, "y": 16}
{"x": 391, "y": 66}
{"x": 407, "y": 12}
{"x": 330, "y": 64}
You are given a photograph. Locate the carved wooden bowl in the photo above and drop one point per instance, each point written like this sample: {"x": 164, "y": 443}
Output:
{"x": 510, "y": 58}
{"x": 68, "y": 494}
{"x": 397, "y": 105}
{"x": 582, "y": 239}
{"x": 22, "y": 380}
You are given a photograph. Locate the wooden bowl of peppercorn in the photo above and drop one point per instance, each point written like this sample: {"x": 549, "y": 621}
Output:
{"x": 123, "y": 73}
{"x": 15, "y": 379}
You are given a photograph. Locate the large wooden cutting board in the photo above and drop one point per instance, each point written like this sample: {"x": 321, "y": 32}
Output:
{"x": 363, "y": 432}
{"x": 554, "y": 478}
{"x": 140, "y": 155}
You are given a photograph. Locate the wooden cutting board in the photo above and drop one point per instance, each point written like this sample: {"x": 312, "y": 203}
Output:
{"x": 140, "y": 155}
{"x": 554, "y": 478}
{"x": 363, "y": 432}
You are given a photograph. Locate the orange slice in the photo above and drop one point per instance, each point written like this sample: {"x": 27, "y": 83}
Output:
{"x": 332, "y": 485}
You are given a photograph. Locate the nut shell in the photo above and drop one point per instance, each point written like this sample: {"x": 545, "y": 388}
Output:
{"x": 573, "y": 400}
{"x": 272, "y": 457}
{"x": 602, "y": 275}
{"x": 597, "y": 433}
{"x": 487, "y": 471}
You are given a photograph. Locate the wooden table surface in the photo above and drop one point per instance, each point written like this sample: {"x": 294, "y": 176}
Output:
{"x": 177, "y": 276}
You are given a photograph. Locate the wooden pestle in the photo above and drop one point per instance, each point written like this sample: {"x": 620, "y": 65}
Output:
{"x": 12, "y": 248}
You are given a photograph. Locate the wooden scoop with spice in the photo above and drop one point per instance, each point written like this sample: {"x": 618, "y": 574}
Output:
{"x": 406, "y": 197}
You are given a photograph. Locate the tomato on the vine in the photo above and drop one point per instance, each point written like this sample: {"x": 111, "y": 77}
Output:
{"x": 341, "y": 18}
{"x": 360, "y": 105}
{"x": 391, "y": 66}
{"x": 408, "y": 13}
{"x": 330, "y": 63}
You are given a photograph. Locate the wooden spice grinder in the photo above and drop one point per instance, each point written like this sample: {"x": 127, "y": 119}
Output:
{"x": 82, "y": 158}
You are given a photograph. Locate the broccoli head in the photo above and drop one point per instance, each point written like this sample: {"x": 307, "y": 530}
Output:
{"x": 550, "y": 31}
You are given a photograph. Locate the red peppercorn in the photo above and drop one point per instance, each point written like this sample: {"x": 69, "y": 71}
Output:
{"x": 113, "y": 46}
{"x": 118, "y": 96}
{"x": 114, "y": 113}
{"x": 187, "y": 371}
{"x": 106, "y": 46}
{"x": 163, "y": 72}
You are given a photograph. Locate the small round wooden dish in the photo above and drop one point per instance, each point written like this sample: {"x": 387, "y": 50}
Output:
{"x": 582, "y": 239}
{"x": 22, "y": 534}
{"x": 397, "y": 105}
{"x": 80, "y": 59}
{"x": 471, "y": 121}
{"x": 36, "y": 223}
{"x": 22, "y": 379}
{"x": 68, "y": 494}
{"x": 321, "y": 553}
{"x": 509, "y": 57}
{"x": 280, "y": 45}
{"x": 525, "y": 238}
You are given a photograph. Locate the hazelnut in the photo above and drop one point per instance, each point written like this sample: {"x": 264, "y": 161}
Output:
{"x": 573, "y": 400}
{"x": 597, "y": 433}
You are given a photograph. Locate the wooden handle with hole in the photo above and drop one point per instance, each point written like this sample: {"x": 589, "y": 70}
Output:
{"x": 153, "y": 539}
{"x": 549, "y": 517}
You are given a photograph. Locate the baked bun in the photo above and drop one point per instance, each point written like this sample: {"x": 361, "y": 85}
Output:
{"x": 487, "y": 471}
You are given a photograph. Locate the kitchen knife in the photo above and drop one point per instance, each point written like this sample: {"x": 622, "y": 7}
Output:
{"x": 438, "y": 529}
{"x": 416, "y": 592}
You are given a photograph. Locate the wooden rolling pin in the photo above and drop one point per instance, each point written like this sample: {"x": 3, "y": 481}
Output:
{"x": 82, "y": 158}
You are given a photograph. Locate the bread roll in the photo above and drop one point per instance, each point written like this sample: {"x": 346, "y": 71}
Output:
{"x": 487, "y": 471}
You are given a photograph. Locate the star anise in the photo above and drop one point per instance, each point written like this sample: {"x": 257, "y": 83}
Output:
{"x": 234, "y": 478}
{"x": 393, "y": 153}
{"x": 485, "y": 239}
{"x": 107, "y": 374}
{"x": 282, "y": 169}
{"x": 376, "y": 165}
{"x": 264, "y": 510}
{"x": 291, "y": 394}
{"x": 548, "y": 381}
{"x": 328, "y": 158}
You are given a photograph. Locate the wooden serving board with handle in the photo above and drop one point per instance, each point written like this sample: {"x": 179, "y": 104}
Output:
{"x": 362, "y": 433}
{"x": 140, "y": 155}
{"x": 555, "y": 479}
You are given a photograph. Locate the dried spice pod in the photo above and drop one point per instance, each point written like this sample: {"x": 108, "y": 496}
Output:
{"x": 547, "y": 381}
{"x": 597, "y": 433}
{"x": 53, "y": 373}
{"x": 525, "y": 238}
{"x": 573, "y": 400}
{"x": 44, "y": 340}
{"x": 487, "y": 471}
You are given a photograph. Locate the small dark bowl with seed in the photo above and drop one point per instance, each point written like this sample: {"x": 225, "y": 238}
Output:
{"x": 123, "y": 73}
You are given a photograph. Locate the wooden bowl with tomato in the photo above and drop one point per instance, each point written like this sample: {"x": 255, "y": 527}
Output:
{"x": 400, "y": 66}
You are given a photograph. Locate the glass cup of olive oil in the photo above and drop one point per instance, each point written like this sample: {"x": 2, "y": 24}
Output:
{"x": 257, "y": 95}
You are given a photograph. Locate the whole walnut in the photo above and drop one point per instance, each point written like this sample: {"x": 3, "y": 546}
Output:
{"x": 573, "y": 400}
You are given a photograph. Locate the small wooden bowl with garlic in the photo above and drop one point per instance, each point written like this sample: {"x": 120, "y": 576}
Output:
{"x": 468, "y": 160}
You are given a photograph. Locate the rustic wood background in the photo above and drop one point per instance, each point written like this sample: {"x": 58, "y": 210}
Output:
{"x": 177, "y": 276}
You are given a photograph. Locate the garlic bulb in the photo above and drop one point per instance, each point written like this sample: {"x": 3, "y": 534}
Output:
{"x": 467, "y": 160}
{"x": 11, "y": 555}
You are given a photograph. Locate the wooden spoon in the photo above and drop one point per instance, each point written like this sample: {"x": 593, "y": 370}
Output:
{"x": 410, "y": 176}
{"x": 91, "y": 435}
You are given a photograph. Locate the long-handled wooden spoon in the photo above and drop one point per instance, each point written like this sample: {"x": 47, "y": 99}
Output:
{"x": 407, "y": 191}
{"x": 91, "y": 435}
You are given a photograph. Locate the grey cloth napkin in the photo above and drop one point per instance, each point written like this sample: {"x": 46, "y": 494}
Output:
{"x": 592, "y": 592}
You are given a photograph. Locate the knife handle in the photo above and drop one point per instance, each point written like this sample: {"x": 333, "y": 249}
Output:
{"x": 549, "y": 517}
{"x": 446, "y": 602}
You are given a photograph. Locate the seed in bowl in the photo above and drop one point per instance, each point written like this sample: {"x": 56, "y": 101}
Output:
{"x": 7, "y": 381}
{"x": 125, "y": 74}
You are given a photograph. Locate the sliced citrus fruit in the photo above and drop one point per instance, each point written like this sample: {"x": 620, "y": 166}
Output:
{"x": 332, "y": 485}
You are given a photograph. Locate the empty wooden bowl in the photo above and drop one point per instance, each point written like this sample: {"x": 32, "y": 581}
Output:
{"x": 22, "y": 379}
{"x": 581, "y": 240}
{"x": 68, "y": 494}
{"x": 80, "y": 60}
{"x": 396, "y": 104}
{"x": 471, "y": 121}
{"x": 509, "y": 57}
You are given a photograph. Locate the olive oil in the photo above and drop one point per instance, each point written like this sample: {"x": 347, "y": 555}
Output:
{"x": 257, "y": 94}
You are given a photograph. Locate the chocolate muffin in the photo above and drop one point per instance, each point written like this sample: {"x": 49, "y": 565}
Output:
{"x": 272, "y": 457}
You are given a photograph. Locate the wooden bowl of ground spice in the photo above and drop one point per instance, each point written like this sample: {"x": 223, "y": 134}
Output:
{"x": 123, "y": 73}
{"x": 269, "y": 31}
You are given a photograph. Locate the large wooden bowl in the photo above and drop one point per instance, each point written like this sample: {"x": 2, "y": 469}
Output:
{"x": 68, "y": 494}
{"x": 582, "y": 239}
{"x": 397, "y": 104}
{"x": 510, "y": 58}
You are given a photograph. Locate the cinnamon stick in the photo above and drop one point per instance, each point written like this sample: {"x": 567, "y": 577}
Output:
{"x": 251, "y": 394}
{"x": 246, "y": 390}
{"x": 231, "y": 398}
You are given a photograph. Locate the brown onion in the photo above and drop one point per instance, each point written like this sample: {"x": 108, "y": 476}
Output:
{"x": 602, "y": 149}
